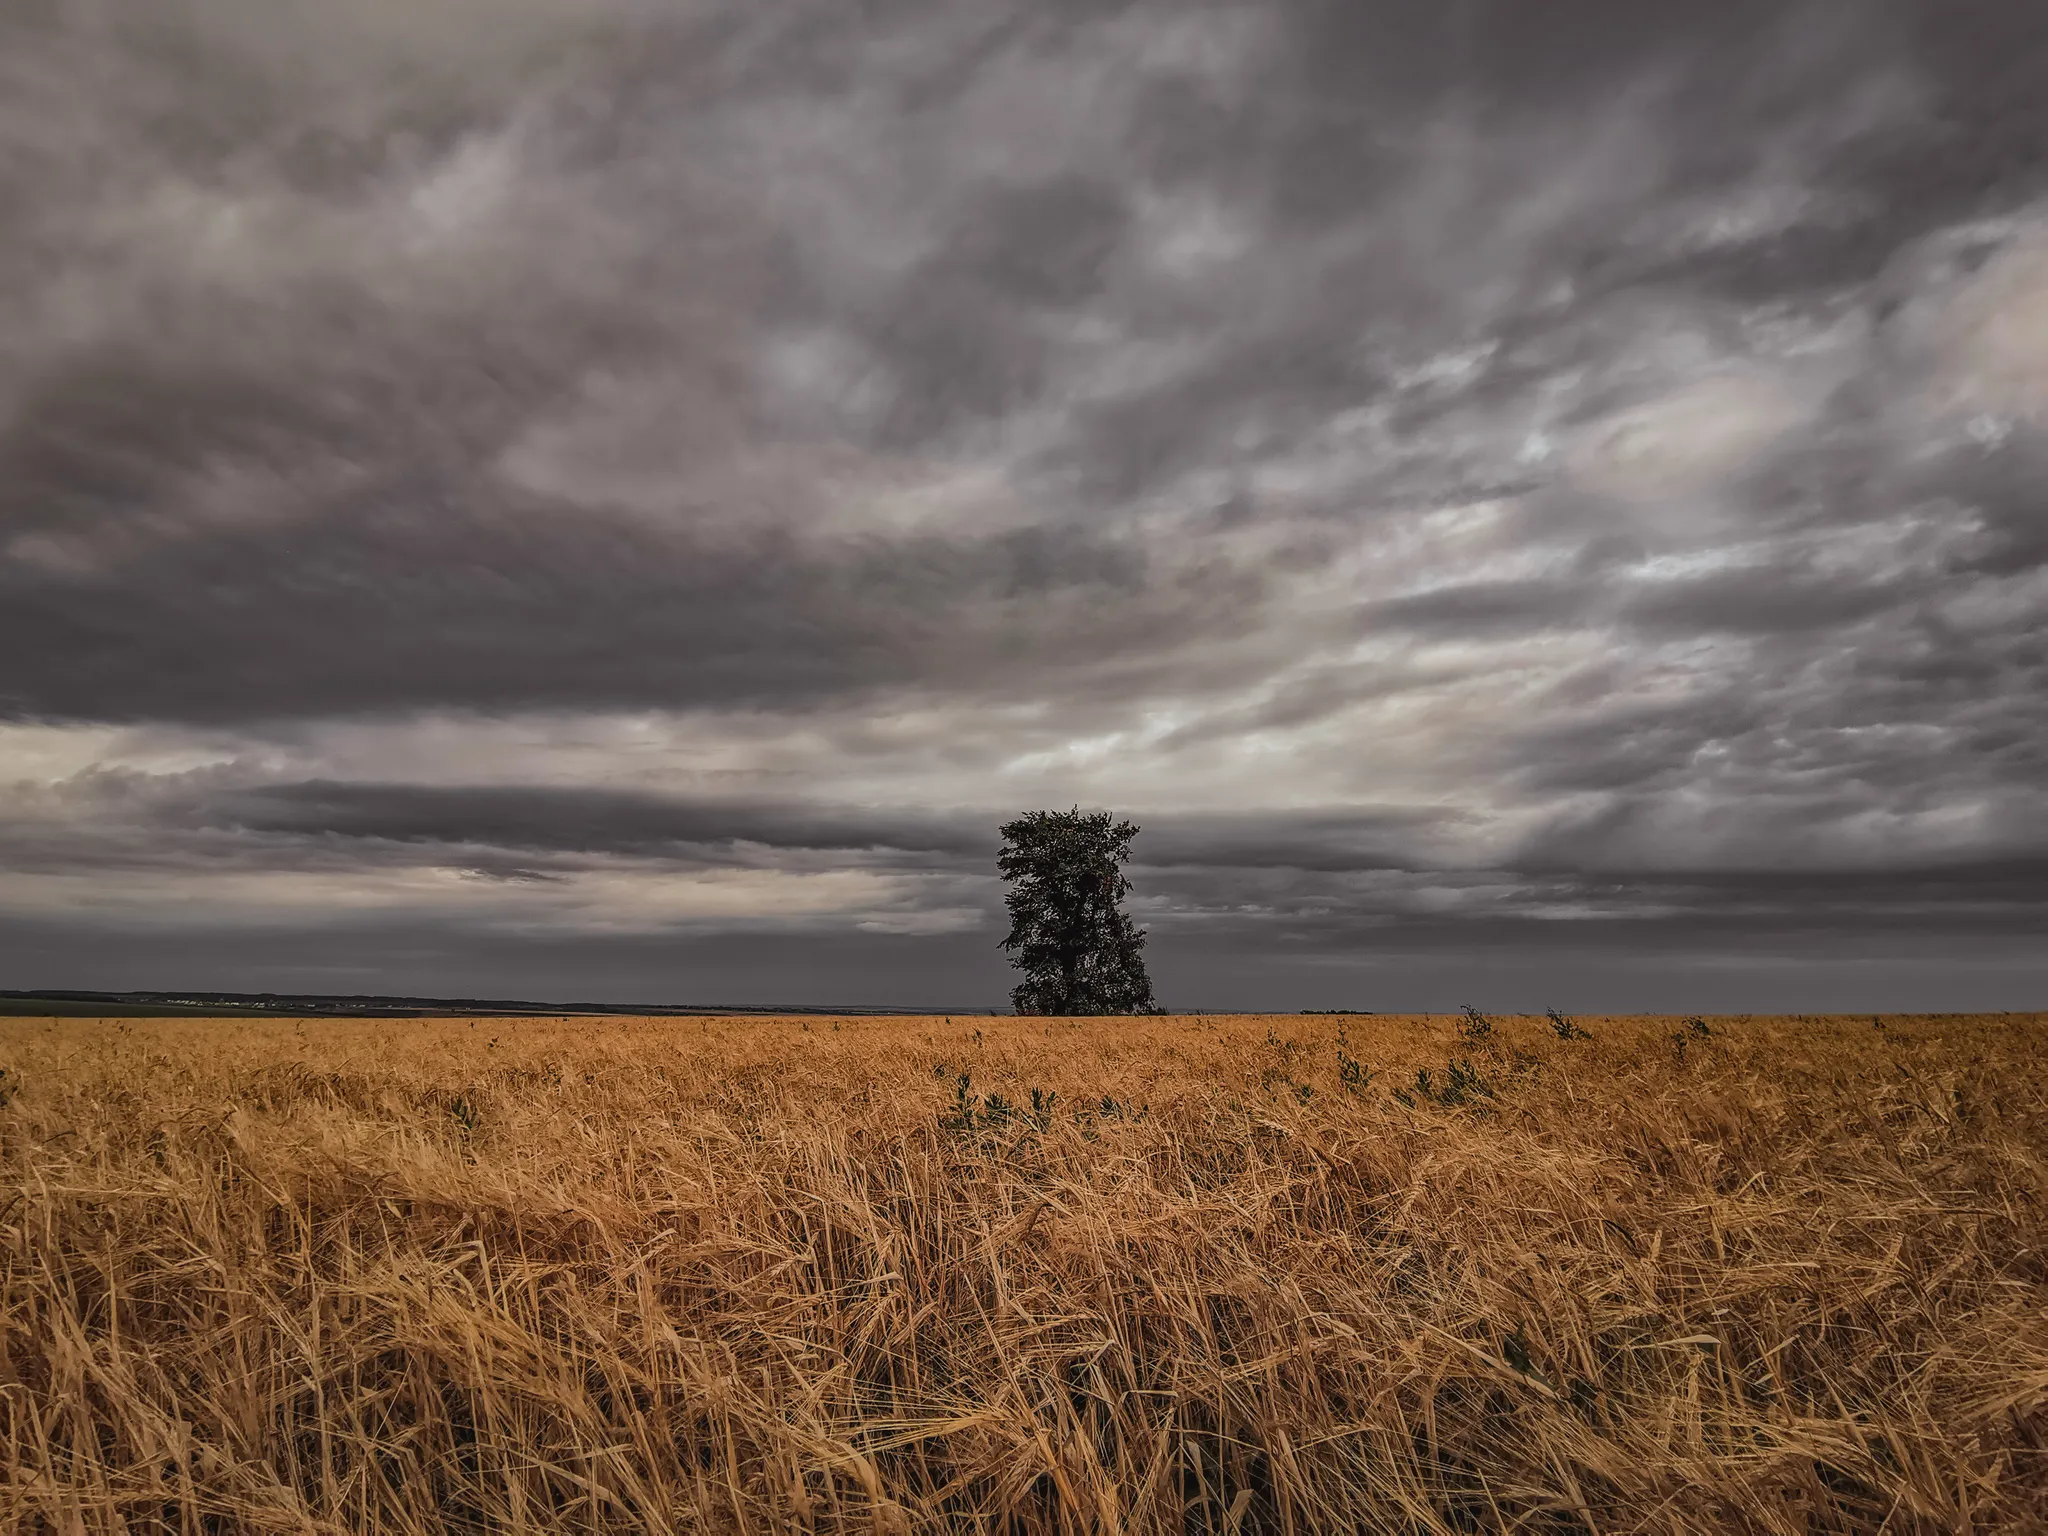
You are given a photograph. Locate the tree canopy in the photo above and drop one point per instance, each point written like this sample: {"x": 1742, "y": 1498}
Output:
{"x": 1069, "y": 934}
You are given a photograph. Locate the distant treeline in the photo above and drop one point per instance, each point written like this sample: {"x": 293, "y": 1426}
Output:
{"x": 75, "y": 1004}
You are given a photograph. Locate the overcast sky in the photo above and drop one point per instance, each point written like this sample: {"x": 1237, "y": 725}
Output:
{"x": 1525, "y": 501}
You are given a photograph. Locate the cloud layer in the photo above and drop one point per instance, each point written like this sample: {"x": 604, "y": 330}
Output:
{"x": 1477, "y": 479}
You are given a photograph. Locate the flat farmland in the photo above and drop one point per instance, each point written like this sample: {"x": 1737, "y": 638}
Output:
{"x": 1231, "y": 1274}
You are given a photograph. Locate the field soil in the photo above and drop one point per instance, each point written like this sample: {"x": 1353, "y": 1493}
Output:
{"x": 1230, "y": 1274}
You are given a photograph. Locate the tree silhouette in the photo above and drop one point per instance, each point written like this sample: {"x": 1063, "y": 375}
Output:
{"x": 1078, "y": 949}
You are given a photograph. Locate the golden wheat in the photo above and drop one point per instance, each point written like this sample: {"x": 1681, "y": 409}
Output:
{"x": 1176, "y": 1274}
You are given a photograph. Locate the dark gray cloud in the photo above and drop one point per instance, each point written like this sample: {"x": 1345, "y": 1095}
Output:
{"x": 1481, "y": 470}
{"x": 588, "y": 821}
{"x": 1353, "y": 880}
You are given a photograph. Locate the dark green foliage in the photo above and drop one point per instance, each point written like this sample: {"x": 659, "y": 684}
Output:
{"x": 1475, "y": 1027}
{"x": 1353, "y": 1073}
{"x": 1515, "y": 1350}
{"x": 1694, "y": 1028}
{"x": 965, "y": 1102}
{"x": 1460, "y": 1084}
{"x": 972, "y": 1112}
{"x": 1565, "y": 1027}
{"x": 1078, "y": 949}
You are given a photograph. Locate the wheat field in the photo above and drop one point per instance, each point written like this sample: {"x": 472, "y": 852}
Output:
{"x": 892, "y": 1275}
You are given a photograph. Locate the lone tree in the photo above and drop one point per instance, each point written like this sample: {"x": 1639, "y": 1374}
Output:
{"x": 1069, "y": 934}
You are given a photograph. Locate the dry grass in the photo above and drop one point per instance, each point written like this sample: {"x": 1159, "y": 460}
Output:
{"x": 767, "y": 1275}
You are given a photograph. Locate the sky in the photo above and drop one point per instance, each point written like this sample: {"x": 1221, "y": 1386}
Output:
{"x": 1526, "y": 502}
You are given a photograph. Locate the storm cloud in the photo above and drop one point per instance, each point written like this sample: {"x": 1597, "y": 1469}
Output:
{"x": 1559, "y": 485}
